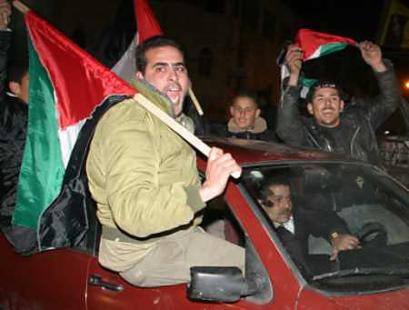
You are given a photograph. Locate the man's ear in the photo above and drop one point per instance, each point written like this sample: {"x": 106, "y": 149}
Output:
{"x": 15, "y": 88}
{"x": 310, "y": 108}
{"x": 231, "y": 111}
{"x": 258, "y": 111}
{"x": 341, "y": 105}
{"x": 139, "y": 75}
{"x": 261, "y": 202}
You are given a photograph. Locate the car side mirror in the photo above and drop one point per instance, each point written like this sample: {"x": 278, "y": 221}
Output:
{"x": 227, "y": 284}
{"x": 217, "y": 284}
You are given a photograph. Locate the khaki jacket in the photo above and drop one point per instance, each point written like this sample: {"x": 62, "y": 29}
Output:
{"x": 143, "y": 177}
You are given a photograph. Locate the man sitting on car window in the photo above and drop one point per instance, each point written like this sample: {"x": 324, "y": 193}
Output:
{"x": 144, "y": 179}
{"x": 295, "y": 225}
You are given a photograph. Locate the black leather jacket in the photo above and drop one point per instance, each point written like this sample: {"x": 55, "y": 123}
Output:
{"x": 13, "y": 123}
{"x": 358, "y": 122}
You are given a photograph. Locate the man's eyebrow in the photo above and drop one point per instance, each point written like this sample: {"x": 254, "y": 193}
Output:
{"x": 164, "y": 64}
{"x": 160, "y": 64}
{"x": 178, "y": 64}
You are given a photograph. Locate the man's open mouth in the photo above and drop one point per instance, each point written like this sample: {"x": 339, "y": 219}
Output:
{"x": 174, "y": 93}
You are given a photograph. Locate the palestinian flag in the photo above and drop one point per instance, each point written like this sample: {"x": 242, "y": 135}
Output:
{"x": 66, "y": 84}
{"x": 316, "y": 44}
{"x": 147, "y": 27}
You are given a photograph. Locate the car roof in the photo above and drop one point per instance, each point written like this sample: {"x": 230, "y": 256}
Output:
{"x": 254, "y": 151}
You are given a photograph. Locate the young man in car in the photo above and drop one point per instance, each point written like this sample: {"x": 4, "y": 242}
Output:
{"x": 295, "y": 225}
{"x": 144, "y": 179}
{"x": 334, "y": 127}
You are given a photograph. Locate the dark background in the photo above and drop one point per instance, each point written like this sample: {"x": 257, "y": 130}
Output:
{"x": 233, "y": 44}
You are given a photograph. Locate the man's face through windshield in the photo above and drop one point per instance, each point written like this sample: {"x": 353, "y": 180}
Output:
{"x": 278, "y": 204}
{"x": 337, "y": 203}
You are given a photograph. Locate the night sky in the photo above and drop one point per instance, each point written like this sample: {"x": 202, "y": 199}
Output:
{"x": 358, "y": 19}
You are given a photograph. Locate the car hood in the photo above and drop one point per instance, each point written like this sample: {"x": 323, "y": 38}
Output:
{"x": 397, "y": 299}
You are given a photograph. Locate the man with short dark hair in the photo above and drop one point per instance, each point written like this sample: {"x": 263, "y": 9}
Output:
{"x": 334, "y": 127}
{"x": 245, "y": 121}
{"x": 155, "y": 42}
{"x": 17, "y": 76}
{"x": 144, "y": 179}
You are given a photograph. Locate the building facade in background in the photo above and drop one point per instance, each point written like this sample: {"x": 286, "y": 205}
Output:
{"x": 232, "y": 44}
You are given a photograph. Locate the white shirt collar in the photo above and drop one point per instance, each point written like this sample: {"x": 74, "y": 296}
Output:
{"x": 289, "y": 225}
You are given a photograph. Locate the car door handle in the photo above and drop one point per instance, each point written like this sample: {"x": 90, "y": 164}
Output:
{"x": 96, "y": 280}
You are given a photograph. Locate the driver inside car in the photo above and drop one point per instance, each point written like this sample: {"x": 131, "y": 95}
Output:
{"x": 295, "y": 225}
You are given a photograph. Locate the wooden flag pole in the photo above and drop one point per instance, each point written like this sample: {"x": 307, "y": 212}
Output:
{"x": 20, "y": 6}
{"x": 175, "y": 126}
{"x": 149, "y": 106}
{"x": 195, "y": 102}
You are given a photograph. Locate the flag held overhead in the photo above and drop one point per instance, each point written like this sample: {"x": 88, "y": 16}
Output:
{"x": 316, "y": 44}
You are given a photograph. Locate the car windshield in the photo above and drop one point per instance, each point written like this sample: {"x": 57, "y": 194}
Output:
{"x": 313, "y": 208}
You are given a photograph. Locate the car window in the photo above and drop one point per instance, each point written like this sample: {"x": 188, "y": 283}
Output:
{"x": 219, "y": 221}
{"x": 346, "y": 199}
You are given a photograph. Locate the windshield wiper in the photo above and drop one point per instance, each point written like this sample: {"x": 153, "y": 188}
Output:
{"x": 395, "y": 271}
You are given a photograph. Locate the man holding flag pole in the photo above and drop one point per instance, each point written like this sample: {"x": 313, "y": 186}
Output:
{"x": 144, "y": 179}
{"x": 333, "y": 126}
{"x": 141, "y": 172}
{"x": 153, "y": 239}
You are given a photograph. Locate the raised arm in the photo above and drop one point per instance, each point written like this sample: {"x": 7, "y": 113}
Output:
{"x": 383, "y": 105}
{"x": 289, "y": 124}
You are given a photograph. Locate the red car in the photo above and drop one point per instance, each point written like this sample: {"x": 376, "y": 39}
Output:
{"x": 374, "y": 207}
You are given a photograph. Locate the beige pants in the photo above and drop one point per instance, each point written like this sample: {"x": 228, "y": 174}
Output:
{"x": 170, "y": 260}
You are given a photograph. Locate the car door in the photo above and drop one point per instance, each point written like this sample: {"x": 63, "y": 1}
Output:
{"x": 107, "y": 290}
{"x": 49, "y": 280}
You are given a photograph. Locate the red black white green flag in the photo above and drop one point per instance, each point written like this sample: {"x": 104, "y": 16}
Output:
{"x": 147, "y": 26}
{"x": 65, "y": 86}
{"x": 316, "y": 44}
